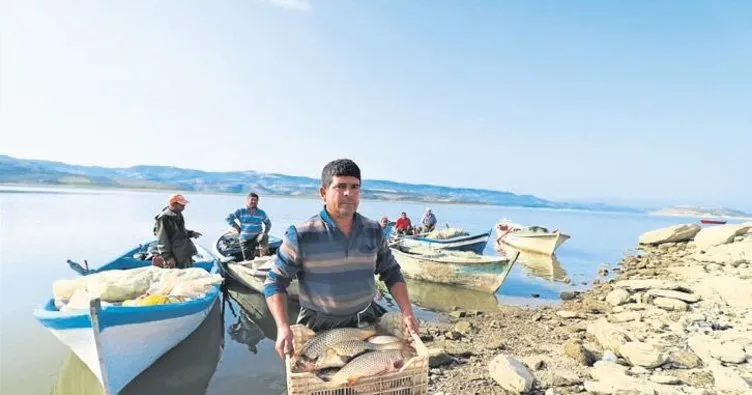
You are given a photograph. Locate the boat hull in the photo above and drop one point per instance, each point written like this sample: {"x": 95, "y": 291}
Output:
{"x": 712, "y": 221}
{"x": 244, "y": 274}
{"x": 486, "y": 275}
{"x": 117, "y": 343}
{"x": 472, "y": 243}
{"x": 542, "y": 243}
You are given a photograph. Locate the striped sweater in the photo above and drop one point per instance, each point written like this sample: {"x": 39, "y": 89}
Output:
{"x": 335, "y": 273}
{"x": 251, "y": 223}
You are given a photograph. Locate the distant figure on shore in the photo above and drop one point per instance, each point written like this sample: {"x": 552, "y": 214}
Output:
{"x": 174, "y": 247}
{"x": 252, "y": 225}
{"x": 404, "y": 226}
{"x": 428, "y": 222}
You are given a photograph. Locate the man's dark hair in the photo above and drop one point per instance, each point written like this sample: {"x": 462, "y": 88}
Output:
{"x": 253, "y": 194}
{"x": 339, "y": 168}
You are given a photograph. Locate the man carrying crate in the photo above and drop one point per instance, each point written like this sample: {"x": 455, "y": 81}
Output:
{"x": 334, "y": 256}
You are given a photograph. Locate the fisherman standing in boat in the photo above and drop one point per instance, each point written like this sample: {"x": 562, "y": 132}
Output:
{"x": 252, "y": 225}
{"x": 174, "y": 247}
{"x": 334, "y": 256}
{"x": 428, "y": 221}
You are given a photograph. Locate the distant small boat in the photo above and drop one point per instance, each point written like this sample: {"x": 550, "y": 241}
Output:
{"x": 475, "y": 243}
{"x": 712, "y": 221}
{"x": 116, "y": 342}
{"x": 461, "y": 269}
{"x": 529, "y": 238}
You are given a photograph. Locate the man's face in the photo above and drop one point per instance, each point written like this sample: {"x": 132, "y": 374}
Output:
{"x": 252, "y": 202}
{"x": 342, "y": 196}
{"x": 177, "y": 207}
{"x": 403, "y": 215}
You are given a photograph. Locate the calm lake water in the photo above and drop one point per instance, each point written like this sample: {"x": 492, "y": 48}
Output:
{"x": 232, "y": 352}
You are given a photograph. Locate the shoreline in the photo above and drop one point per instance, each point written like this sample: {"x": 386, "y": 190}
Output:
{"x": 675, "y": 319}
{"x": 50, "y": 188}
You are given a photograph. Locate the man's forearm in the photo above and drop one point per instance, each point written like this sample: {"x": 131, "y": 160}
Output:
{"x": 399, "y": 292}
{"x": 278, "y": 308}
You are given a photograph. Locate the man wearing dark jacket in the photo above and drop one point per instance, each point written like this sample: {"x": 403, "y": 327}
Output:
{"x": 174, "y": 247}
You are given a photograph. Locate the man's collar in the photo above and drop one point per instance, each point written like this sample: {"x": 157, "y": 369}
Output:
{"x": 328, "y": 219}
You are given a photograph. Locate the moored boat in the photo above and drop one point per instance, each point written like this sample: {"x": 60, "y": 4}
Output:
{"x": 228, "y": 246}
{"x": 252, "y": 274}
{"x": 118, "y": 342}
{"x": 469, "y": 242}
{"x": 462, "y": 269}
{"x": 712, "y": 221}
{"x": 529, "y": 238}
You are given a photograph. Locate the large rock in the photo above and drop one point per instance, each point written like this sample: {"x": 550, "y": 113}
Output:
{"x": 575, "y": 350}
{"x": 721, "y": 234}
{"x": 729, "y": 352}
{"x": 664, "y": 293}
{"x": 671, "y": 234}
{"x": 609, "y": 336}
{"x": 726, "y": 290}
{"x": 511, "y": 374}
{"x": 617, "y": 297}
{"x": 684, "y": 359}
{"x": 727, "y": 380}
{"x": 725, "y": 253}
{"x": 642, "y": 354}
{"x": 645, "y": 284}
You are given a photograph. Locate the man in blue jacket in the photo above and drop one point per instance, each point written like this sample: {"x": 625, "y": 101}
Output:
{"x": 253, "y": 225}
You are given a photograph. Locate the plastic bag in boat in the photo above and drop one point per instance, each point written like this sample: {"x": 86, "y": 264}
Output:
{"x": 120, "y": 285}
{"x": 447, "y": 233}
{"x": 167, "y": 279}
{"x": 63, "y": 290}
{"x": 192, "y": 289}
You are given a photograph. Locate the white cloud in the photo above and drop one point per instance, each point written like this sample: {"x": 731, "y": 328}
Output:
{"x": 299, "y": 5}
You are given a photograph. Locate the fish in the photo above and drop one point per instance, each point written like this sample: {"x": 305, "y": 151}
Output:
{"x": 371, "y": 364}
{"x": 315, "y": 347}
{"x": 383, "y": 339}
{"x": 341, "y": 353}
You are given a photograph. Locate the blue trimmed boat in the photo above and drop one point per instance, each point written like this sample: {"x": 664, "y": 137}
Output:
{"x": 118, "y": 342}
{"x": 475, "y": 243}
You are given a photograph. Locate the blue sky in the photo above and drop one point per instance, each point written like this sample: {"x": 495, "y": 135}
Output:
{"x": 619, "y": 101}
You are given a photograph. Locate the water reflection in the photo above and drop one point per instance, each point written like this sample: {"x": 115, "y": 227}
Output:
{"x": 445, "y": 298}
{"x": 543, "y": 266}
{"x": 254, "y": 321}
{"x": 186, "y": 369}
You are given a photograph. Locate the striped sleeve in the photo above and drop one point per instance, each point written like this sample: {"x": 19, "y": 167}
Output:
{"x": 386, "y": 266}
{"x": 267, "y": 222}
{"x": 287, "y": 265}
{"x": 232, "y": 217}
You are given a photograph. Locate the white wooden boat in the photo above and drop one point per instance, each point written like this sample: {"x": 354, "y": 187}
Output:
{"x": 462, "y": 269}
{"x": 531, "y": 239}
{"x": 475, "y": 242}
{"x": 252, "y": 274}
{"x": 118, "y": 342}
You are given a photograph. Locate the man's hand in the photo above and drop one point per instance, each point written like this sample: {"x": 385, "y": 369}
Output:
{"x": 195, "y": 234}
{"x": 284, "y": 341}
{"x": 234, "y": 229}
{"x": 169, "y": 263}
{"x": 412, "y": 324}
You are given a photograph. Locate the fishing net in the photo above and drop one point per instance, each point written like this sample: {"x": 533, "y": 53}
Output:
{"x": 447, "y": 233}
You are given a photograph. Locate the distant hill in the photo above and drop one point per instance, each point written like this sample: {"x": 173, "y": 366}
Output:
{"x": 688, "y": 211}
{"x": 41, "y": 172}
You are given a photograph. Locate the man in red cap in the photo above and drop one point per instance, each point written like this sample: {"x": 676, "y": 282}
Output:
{"x": 174, "y": 247}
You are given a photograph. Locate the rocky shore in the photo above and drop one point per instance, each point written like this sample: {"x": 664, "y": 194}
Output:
{"x": 673, "y": 317}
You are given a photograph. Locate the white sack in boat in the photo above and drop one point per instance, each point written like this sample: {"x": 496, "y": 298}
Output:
{"x": 447, "y": 233}
{"x": 120, "y": 285}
